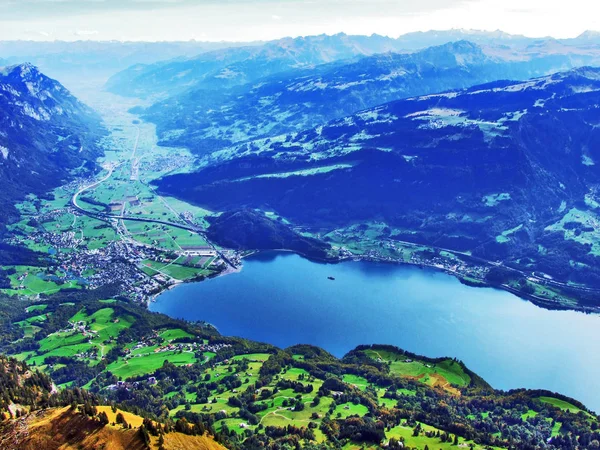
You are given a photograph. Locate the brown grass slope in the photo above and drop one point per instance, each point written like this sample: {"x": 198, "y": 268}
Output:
{"x": 64, "y": 429}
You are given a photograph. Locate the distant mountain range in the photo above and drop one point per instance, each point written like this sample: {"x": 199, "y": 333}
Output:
{"x": 422, "y": 39}
{"x": 72, "y": 61}
{"x": 45, "y": 133}
{"x": 294, "y": 101}
{"x": 505, "y": 170}
{"x": 240, "y": 65}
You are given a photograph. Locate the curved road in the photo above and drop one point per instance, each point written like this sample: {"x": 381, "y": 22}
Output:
{"x": 104, "y": 216}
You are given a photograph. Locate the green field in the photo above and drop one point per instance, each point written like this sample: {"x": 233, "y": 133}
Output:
{"x": 349, "y": 409}
{"x": 103, "y": 327}
{"x": 406, "y": 433}
{"x": 176, "y": 333}
{"x": 434, "y": 374}
{"x": 148, "y": 363}
{"x": 561, "y": 404}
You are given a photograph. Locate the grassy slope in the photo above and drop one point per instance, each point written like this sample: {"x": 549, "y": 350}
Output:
{"x": 66, "y": 430}
{"x": 443, "y": 373}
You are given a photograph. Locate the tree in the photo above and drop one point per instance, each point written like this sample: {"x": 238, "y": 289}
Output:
{"x": 103, "y": 417}
{"x": 144, "y": 435}
{"x": 161, "y": 442}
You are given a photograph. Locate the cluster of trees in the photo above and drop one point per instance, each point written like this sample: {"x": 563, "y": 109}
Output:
{"x": 19, "y": 386}
{"x": 452, "y": 415}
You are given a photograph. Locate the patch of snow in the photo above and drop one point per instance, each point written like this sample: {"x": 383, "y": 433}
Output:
{"x": 11, "y": 90}
{"x": 39, "y": 115}
{"x": 587, "y": 161}
{"x": 583, "y": 89}
{"x": 307, "y": 86}
{"x": 343, "y": 87}
{"x": 393, "y": 74}
{"x": 183, "y": 74}
{"x": 428, "y": 97}
{"x": 363, "y": 136}
{"x": 436, "y": 112}
{"x": 227, "y": 73}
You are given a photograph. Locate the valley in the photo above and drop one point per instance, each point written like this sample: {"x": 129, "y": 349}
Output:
{"x": 113, "y": 227}
{"x": 410, "y": 240}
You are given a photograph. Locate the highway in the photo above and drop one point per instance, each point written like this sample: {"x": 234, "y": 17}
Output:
{"x": 104, "y": 216}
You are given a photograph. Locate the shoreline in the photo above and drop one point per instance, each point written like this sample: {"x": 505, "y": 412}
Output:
{"x": 537, "y": 301}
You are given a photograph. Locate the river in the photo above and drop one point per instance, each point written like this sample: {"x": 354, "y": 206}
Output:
{"x": 284, "y": 299}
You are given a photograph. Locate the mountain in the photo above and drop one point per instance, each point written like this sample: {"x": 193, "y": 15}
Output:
{"x": 236, "y": 66}
{"x": 68, "y": 429}
{"x": 300, "y": 100}
{"x": 252, "y": 230}
{"x": 45, "y": 133}
{"x": 74, "y": 62}
{"x": 505, "y": 170}
{"x": 33, "y": 416}
{"x": 587, "y": 37}
{"x": 423, "y": 39}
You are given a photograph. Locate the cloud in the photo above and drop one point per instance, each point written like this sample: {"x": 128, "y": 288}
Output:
{"x": 43, "y": 33}
{"x": 85, "y": 33}
{"x": 23, "y": 9}
{"x": 249, "y": 20}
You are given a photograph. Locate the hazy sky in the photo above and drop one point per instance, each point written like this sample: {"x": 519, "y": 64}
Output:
{"x": 245, "y": 20}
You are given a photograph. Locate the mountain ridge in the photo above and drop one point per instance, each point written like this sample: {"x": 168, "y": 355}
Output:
{"x": 46, "y": 133}
{"x": 527, "y": 146}
{"x": 206, "y": 121}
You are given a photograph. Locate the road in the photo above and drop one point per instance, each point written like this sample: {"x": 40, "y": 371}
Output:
{"x": 104, "y": 216}
{"x": 110, "y": 169}
{"x": 530, "y": 275}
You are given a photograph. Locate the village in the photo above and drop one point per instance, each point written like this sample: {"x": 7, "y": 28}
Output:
{"x": 444, "y": 261}
{"x": 141, "y": 269}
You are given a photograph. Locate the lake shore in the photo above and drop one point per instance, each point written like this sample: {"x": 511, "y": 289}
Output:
{"x": 424, "y": 311}
{"x": 479, "y": 283}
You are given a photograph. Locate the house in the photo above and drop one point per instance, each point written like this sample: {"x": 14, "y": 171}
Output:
{"x": 115, "y": 206}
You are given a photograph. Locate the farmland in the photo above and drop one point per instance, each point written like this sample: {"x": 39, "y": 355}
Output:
{"x": 152, "y": 256}
{"x": 181, "y": 370}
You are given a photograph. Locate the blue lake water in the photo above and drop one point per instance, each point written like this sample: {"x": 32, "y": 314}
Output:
{"x": 284, "y": 299}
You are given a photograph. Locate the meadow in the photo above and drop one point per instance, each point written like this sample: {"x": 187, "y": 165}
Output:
{"x": 446, "y": 373}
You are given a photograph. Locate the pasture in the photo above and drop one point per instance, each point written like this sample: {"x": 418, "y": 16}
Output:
{"x": 444, "y": 374}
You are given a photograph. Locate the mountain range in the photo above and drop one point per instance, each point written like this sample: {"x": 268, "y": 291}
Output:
{"x": 74, "y": 62}
{"x": 294, "y": 101}
{"x": 505, "y": 170}
{"x": 240, "y": 65}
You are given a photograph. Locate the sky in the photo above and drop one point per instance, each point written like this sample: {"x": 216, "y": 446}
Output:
{"x": 250, "y": 20}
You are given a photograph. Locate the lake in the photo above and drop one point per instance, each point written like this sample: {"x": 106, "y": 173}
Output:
{"x": 284, "y": 299}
